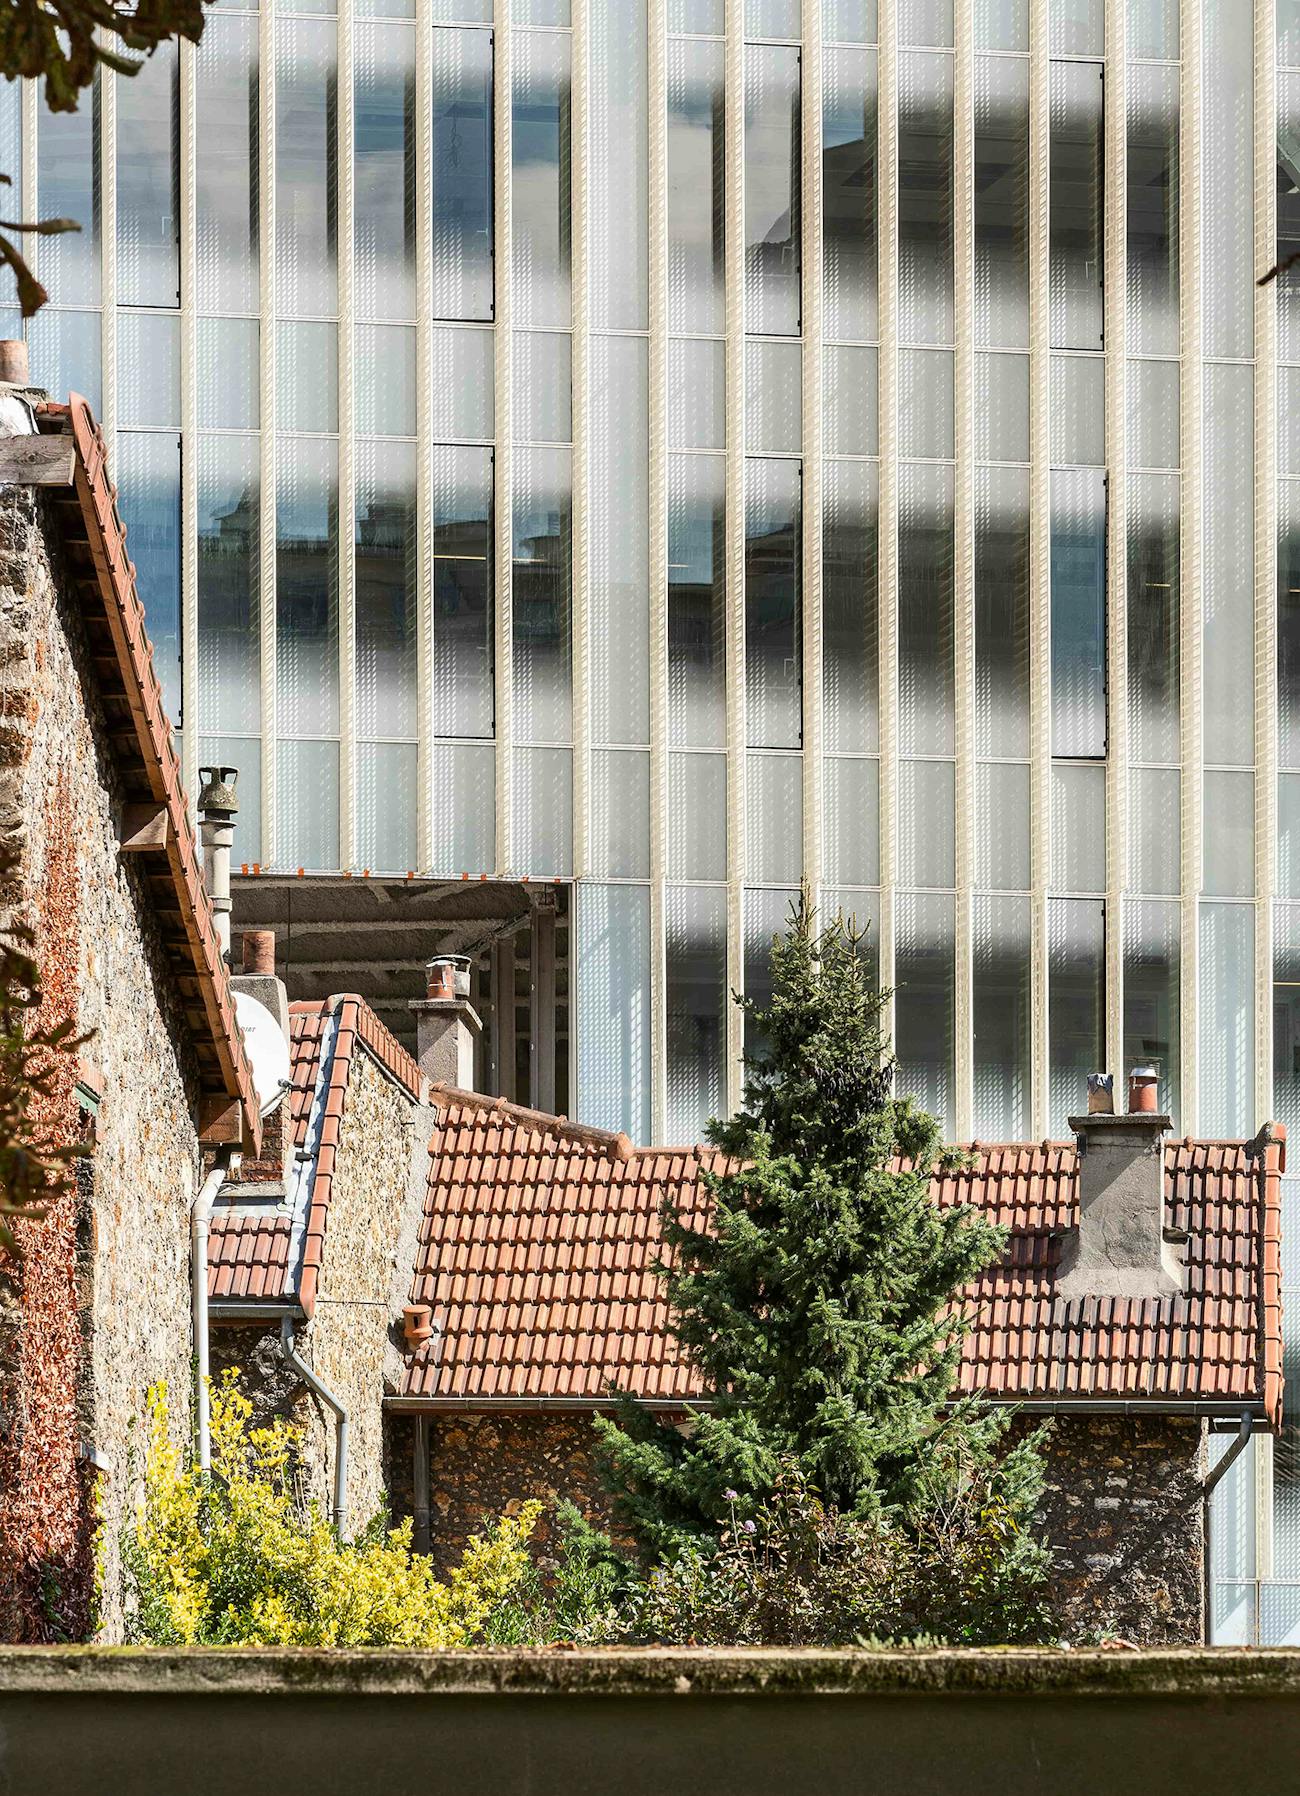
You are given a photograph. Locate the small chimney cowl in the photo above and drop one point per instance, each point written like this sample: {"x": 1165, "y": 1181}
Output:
{"x": 217, "y": 800}
{"x": 1143, "y": 1091}
{"x": 447, "y": 976}
{"x": 447, "y": 1025}
{"x": 1101, "y": 1094}
{"x": 1119, "y": 1247}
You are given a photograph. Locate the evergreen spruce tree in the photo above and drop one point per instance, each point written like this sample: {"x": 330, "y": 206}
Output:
{"x": 815, "y": 1306}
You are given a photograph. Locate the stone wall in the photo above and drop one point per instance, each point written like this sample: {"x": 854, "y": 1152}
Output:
{"x": 99, "y": 1307}
{"x": 1123, "y": 1512}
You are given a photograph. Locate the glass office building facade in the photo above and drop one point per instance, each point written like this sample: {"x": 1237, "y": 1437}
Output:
{"x": 686, "y": 446}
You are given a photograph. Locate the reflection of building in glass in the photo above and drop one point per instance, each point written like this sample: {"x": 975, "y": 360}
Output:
{"x": 684, "y": 447}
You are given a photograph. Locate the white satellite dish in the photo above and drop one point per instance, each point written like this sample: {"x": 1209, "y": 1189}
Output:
{"x": 266, "y": 1048}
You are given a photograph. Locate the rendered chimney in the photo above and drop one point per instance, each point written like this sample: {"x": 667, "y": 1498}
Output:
{"x": 218, "y": 808}
{"x": 1120, "y": 1247}
{"x": 447, "y": 1024}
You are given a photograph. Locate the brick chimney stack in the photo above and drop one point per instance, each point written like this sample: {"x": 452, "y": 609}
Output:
{"x": 447, "y": 1024}
{"x": 1120, "y": 1248}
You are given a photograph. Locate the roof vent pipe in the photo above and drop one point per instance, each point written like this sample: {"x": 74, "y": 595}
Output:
{"x": 218, "y": 808}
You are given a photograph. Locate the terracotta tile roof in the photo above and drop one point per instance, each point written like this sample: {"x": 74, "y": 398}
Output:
{"x": 94, "y": 541}
{"x": 276, "y": 1256}
{"x": 538, "y": 1237}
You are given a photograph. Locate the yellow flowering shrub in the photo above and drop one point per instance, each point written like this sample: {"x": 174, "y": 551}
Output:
{"x": 239, "y": 1560}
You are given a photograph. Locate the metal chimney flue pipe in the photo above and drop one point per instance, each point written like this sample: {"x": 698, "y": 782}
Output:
{"x": 218, "y": 808}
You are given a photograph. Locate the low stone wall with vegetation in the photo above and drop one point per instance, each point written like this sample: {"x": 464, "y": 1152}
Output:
{"x": 755, "y": 1723}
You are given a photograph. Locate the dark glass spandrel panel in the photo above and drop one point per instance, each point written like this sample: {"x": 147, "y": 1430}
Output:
{"x": 1075, "y": 206}
{"x": 1076, "y": 1002}
{"x": 148, "y": 240}
{"x": 540, "y": 216}
{"x": 385, "y": 582}
{"x": 695, "y": 921}
{"x": 697, "y": 617}
{"x": 229, "y": 653}
{"x": 1153, "y": 630}
{"x": 773, "y": 674}
{"x": 461, "y": 284}
{"x": 925, "y": 198}
{"x": 1152, "y": 176}
{"x": 850, "y": 201}
{"x": 1002, "y": 607}
{"x": 384, "y": 171}
{"x": 225, "y": 170}
{"x": 1001, "y": 989}
{"x": 463, "y": 614}
{"x": 1287, "y": 285}
{"x": 306, "y": 580}
{"x": 772, "y": 159}
{"x": 542, "y": 584}
{"x": 925, "y": 995}
{"x": 1152, "y": 943}
{"x": 68, "y": 186}
{"x": 850, "y": 607}
{"x": 149, "y": 497}
{"x": 926, "y": 639}
{"x": 695, "y": 185}
{"x": 1078, "y": 582}
{"x": 1288, "y": 624}
{"x": 306, "y": 168}
{"x": 1002, "y": 202}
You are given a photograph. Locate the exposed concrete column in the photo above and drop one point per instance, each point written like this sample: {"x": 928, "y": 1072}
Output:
{"x": 542, "y": 994}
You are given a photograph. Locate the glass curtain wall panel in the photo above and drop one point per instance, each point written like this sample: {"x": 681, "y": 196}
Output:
{"x": 542, "y": 593}
{"x": 925, "y": 199}
{"x": 772, "y": 18}
{"x": 1228, "y": 826}
{"x": 148, "y": 466}
{"x": 1076, "y": 1006}
{"x": 1152, "y": 936}
{"x": 1227, "y": 181}
{"x": 1153, "y": 625}
{"x": 613, "y": 966}
{"x": 1227, "y": 979}
{"x": 850, "y": 421}
{"x": 618, "y": 170}
{"x": 696, "y": 825}
{"x": 852, "y": 821}
{"x": 463, "y": 173}
{"x": 1288, "y": 214}
{"x": 696, "y": 600}
{"x": 766, "y": 914}
{"x": 1155, "y": 829}
{"x": 1228, "y": 617}
{"x": 774, "y": 817}
{"x": 148, "y": 232}
{"x": 385, "y": 597}
{"x": 463, "y": 612}
{"x": 773, "y": 676}
{"x": 1154, "y": 415}
{"x": 306, "y": 587}
{"x": 229, "y": 695}
{"x": 1288, "y": 623}
{"x": 697, "y": 392}
{"x": 696, "y": 279}
{"x": 1002, "y": 415}
{"x": 849, "y": 21}
{"x": 924, "y": 1001}
{"x": 850, "y": 202}
{"x": 1002, "y": 825}
{"x": 1002, "y": 611}
{"x": 306, "y": 136}
{"x": 1153, "y": 29}
{"x": 386, "y": 780}
{"x": 1286, "y": 1026}
{"x": 1078, "y": 598}
{"x": 1152, "y": 178}
{"x": 1002, "y": 202}
{"x": 1078, "y": 827}
{"x": 68, "y": 186}
{"x": 542, "y": 819}
{"x": 926, "y": 22}
{"x": 850, "y": 615}
{"x": 696, "y": 999}
{"x": 704, "y": 16}
{"x": 1075, "y": 206}
{"x": 541, "y": 221}
{"x": 1002, "y": 960}
{"x": 773, "y": 397}
{"x": 926, "y": 823}
{"x": 925, "y": 610}
{"x": 772, "y": 162}
{"x": 464, "y": 777}
{"x": 620, "y": 813}
{"x": 307, "y": 792}
{"x": 225, "y": 175}
{"x": 925, "y": 404}
{"x": 619, "y": 537}
{"x": 384, "y": 171}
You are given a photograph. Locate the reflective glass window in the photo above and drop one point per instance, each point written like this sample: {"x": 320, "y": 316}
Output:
{"x": 306, "y": 588}
{"x": 1002, "y": 202}
{"x": 613, "y": 964}
{"x": 1153, "y": 563}
{"x": 850, "y": 615}
{"x": 695, "y": 186}
{"x": 618, "y": 172}
{"x": 696, "y": 999}
{"x": 1001, "y": 987}
{"x": 1152, "y": 934}
{"x": 924, "y": 1001}
{"x": 229, "y": 656}
{"x": 773, "y": 674}
{"x": 385, "y": 589}
{"x": 1075, "y": 206}
{"x": 850, "y": 165}
{"x": 306, "y": 222}
{"x": 540, "y": 216}
{"x": 542, "y": 595}
{"x": 1152, "y": 176}
{"x": 772, "y": 156}
{"x": 461, "y": 277}
{"x": 926, "y": 641}
{"x": 463, "y": 618}
{"x": 925, "y": 198}
{"x": 148, "y": 465}
{"x": 384, "y": 171}
{"x": 1002, "y": 611}
{"x": 148, "y": 234}
{"x": 1078, "y": 583}
{"x": 696, "y": 600}
{"x": 1076, "y": 1010}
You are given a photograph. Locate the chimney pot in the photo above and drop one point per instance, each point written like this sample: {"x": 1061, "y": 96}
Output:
{"x": 257, "y": 952}
{"x": 1101, "y": 1094}
{"x": 14, "y": 368}
{"x": 1143, "y": 1090}
{"x": 447, "y": 1025}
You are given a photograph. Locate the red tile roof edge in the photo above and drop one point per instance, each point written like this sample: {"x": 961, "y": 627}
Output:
{"x": 113, "y": 588}
{"x": 615, "y": 1143}
{"x": 333, "y": 1099}
{"x": 1271, "y": 1140}
{"x": 384, "y": 1047}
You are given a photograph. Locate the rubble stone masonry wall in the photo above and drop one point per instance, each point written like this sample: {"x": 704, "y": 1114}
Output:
{"x": 97, "y": 1310}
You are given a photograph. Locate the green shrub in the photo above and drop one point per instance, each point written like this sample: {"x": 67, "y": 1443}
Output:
{"x": 238, "y": 1560}
{"x": 573, "y": 1593}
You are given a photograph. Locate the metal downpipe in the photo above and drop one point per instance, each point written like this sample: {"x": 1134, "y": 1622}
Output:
{"x": 328, "y": 1398}
{"x": 1210, "y": 1483}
